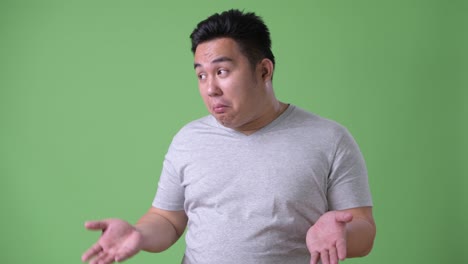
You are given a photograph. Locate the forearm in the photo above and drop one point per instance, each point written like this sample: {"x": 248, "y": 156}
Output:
{"x": 157, "y": 231}
{"x": 360, "y": 233}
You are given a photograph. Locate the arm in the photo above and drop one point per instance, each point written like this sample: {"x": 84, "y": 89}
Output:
{"x": 156, "y": 231}
{"x": 341, "y": 234}
{"x": 360, "y": 232}
{"x": 161, "y": 229}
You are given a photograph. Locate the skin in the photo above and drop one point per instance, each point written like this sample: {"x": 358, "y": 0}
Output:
{"x": 156, "y": 231}
{"x": 240, "y": 96}
{"x": 338, "y": 235}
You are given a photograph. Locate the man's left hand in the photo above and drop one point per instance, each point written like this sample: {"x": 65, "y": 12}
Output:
{"x": 326, "y": 239}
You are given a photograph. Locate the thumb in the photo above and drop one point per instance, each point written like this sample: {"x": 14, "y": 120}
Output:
{"x": 344, "y": 217}
{"x": 96, "y": 225}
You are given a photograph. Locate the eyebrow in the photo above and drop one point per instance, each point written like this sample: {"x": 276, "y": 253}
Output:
{"x": 217, "y": 60}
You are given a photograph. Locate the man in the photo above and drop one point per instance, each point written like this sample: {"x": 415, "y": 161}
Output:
{"x": 258, "y": 180}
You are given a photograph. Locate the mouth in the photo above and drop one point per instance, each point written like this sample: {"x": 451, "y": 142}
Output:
{"x": 219, "y": 108}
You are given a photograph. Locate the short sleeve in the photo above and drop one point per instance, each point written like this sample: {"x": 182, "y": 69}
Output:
{"x": 170, "y": 193}
{"x": 348, "y": 185}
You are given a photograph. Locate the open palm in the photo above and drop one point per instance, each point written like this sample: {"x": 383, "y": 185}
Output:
{"x": 326, "y": 239}
{"x": 119, "y": 241}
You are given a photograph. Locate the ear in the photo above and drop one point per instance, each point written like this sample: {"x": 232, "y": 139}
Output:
{"x": 267, "y": 68}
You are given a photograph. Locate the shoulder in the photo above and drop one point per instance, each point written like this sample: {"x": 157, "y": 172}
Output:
{"x": 203, "y": 123}
{"x": 196, "y": 131}
{"x": 333, "y": 133}
{"x": 312, "y": 123}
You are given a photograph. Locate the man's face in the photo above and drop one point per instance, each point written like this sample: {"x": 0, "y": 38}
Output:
{"x": 232, "y": 90}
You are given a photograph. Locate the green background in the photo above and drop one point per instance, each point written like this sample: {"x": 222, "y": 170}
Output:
{"x": 91, "y": 93}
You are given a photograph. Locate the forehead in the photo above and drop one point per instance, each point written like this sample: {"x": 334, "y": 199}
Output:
{"x": 211, "y": 50}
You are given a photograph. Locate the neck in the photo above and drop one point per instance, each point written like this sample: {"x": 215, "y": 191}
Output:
{"x": 273, "y": 112}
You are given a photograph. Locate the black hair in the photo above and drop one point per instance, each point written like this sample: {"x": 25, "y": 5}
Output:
{"x": 247, "y": 29}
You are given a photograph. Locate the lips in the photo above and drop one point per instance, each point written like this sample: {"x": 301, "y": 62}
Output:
{"x": 219, "y": 108}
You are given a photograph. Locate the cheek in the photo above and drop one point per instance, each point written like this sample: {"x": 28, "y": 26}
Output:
{"x": 234, "y": 89}
{"x": 204, "y": 96}
{"x": 205, "y": 99}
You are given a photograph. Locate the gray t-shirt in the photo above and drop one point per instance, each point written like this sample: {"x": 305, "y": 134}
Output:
{"x": 251, "y": 199}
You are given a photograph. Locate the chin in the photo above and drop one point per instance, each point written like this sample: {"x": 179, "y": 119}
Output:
{"x": 224, "y": 122}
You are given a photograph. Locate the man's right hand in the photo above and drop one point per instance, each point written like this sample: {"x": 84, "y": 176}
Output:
{"x": 118, "y": 242}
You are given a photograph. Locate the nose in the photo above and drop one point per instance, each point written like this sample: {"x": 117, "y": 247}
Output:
{"x": 213, "y": 88}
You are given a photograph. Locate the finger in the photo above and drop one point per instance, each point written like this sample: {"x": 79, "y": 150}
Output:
{"x": 341, "y": 249}
{"x": 102, "y": 258}
{"x": 333, "y": 255}
{"x": 324, "y": 257}
{"x": 344, "y": 217}
{"x": 96, "y": 259}
{"x": 96, "y": 225}
{"x": 108, "y": 258}
{"x": 92, "y": 252}
{"x": 314, "y": 257}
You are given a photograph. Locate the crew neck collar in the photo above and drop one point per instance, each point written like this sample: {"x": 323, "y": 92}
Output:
{"x": 269, "y": 126}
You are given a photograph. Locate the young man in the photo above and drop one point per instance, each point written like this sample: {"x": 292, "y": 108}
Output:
{"x": 256, "y": 181}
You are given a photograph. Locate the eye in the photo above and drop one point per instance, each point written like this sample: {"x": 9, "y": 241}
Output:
{"x": 201, "y": 76}
{"x": 222, "y": 72}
